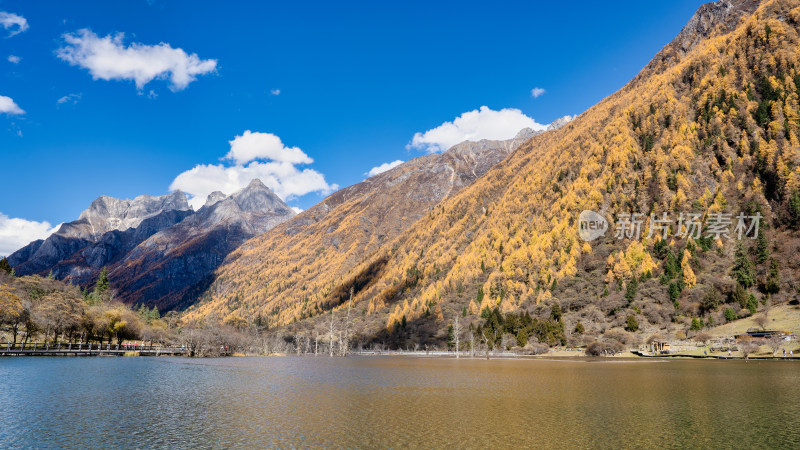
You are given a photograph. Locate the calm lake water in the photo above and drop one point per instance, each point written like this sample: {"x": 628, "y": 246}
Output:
{"x": 397, "y": 402}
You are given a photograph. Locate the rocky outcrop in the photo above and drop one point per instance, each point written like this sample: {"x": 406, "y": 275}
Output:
{"x": 560, "y": 122}
{"x": 718, "y": 17}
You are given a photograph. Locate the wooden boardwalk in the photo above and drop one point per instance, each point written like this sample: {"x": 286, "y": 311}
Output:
{"x": 68, "y": 349}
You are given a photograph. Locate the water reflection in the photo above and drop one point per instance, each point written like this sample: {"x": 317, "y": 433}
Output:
{"x": 396, "y": 402}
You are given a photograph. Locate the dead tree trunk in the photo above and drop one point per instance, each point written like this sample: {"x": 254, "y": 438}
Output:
{"x": 330, "y": 336}
{"x": 347, "y": 325}
{"x": 457, "y": 333}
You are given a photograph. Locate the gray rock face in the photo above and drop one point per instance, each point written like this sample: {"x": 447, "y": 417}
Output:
{"x": 560, "y": 122}
{"x": 170, "y": 268}
{"x": 722, "y": 15}
{"x": 108, "y": 213}
{"x": 214, "y": 197}
{"x": 109, "y": 226}
{"x": 158, "y": 251}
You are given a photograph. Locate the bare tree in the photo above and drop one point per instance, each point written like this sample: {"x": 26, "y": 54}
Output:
{"x": 761, "y": 321}
{"x": 472, "y": 345}
{"x": 749, "y": 348}
{"x": 775, "y": 343}
{"x": 702, "y": 337}
{"x": 457, "y": 335}
{"x": 298, "y": 343}
{"x": 330, "y": 336}
{"x": 347, "y": 324}
{"x": 485, "y": 341}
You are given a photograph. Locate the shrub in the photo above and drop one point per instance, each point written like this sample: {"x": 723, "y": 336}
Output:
{"x": 603, "y": 348}
{"x": 711, "y": 300}
{"x": 631, "y": 324}
{"x": 730, "y": 315}
{"x": 752, "y": 304}
{"x": 534, "y": 349}
{"x": 702, "y": 337}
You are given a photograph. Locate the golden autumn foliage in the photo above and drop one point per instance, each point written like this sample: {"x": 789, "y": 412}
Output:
{"x": 710, "y": 131}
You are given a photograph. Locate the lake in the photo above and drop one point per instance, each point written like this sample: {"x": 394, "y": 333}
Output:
{"x": 369, "y": 402}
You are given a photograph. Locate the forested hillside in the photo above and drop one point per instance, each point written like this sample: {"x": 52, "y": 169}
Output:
{"x": 710, "y": 127}
{"x": 295, "y": 267}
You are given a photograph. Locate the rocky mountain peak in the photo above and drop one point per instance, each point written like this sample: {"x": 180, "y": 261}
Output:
{"x": 560, "y": 122}
{"x": 143, "y": 206}
{"x": 257, "y": 197}
{"x": 720, "y": 16}
{"x": 214, "y": 197}
{"x": 108, "y": 214}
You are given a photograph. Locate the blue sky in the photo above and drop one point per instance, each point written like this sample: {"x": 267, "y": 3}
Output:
{"x": 348, "y": 85}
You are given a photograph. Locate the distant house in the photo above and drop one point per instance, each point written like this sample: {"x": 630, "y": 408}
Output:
{"x": 764, "y": 334}
{"x": 658, "y": 346}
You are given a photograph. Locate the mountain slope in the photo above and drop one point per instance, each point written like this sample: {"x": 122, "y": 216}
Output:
{"x": 711, "y": 126}
{"x": 172, "y": 266}
{"x": 308, "y": 256}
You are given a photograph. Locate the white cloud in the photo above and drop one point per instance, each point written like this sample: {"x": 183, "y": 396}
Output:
{"x": 474, "y": 125}
{"x": 70, "y": 98}
{"x": 255, "y": 155}
{"x": 251, "y": 146}
{"x": 108, "y": 58}
{"x": 384, "y": 167}
{"x": 275, "y": 92}
{"x": 537, "y": 92}
{"x": 8, "y": 106}
{"x": 13, "y": 59}
{"x": 17, "y": 233}
{"x": 297, "y": 210}
{"x": 13, "y": 23}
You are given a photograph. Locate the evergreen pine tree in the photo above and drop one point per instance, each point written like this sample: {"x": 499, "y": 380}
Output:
{"x": 102, "y": 282}
{"x": 772, "y": 286}
{"x": 794, "y": 210}
{"x": 743, "y": 271}
{"x": 762, "y": 247}
{"x": 4, "y": 265}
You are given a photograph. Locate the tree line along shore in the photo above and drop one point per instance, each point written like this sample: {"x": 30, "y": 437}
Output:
{"x": 45, "y": 310}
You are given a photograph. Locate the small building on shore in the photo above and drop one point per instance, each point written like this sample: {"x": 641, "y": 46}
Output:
{"x": 658, "y": 346}
{"x": 765, "y": 334}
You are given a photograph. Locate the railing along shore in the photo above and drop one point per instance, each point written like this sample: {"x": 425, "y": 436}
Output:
{"x": 83, "y": 349}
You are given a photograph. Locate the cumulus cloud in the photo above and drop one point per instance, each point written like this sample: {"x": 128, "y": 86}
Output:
{"x": 70, "y": 98}
{"x": 297, "y": 210}
{"x": 13, "y": 59}
{"x": 275, "y": 92}
{"x": 13, "y": 23}
{"x": 7, "y": 106}
{"x": 17, "y": 233}
{"x": 251, "y": 146}
{"x": 483, "y": 123}
{"x": 537, "y": 92}
{"x": 255, "y": 155}
{"x": 108, "y": 58}
{"x": 384, "y": 167}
